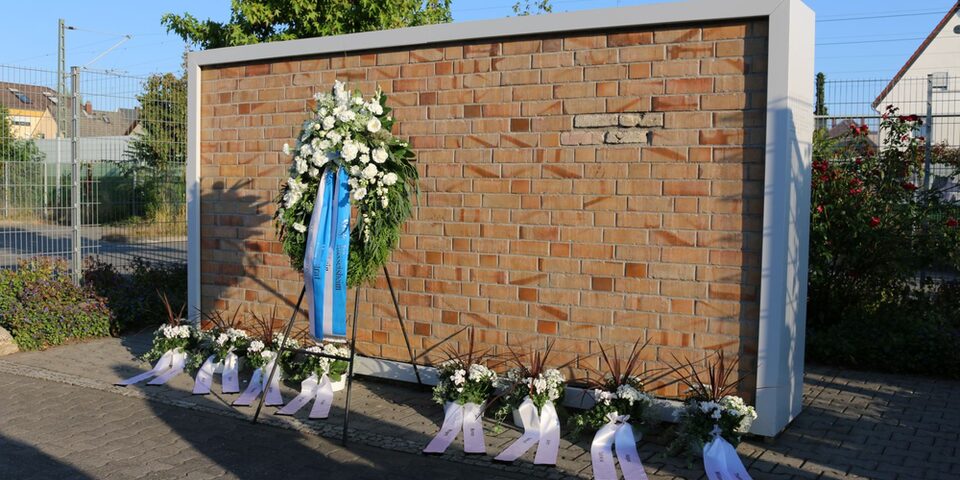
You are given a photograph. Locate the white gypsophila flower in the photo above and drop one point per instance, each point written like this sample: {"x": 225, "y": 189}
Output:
{"x": 459, "y": 377}
{"x": 286, "y": 149}
{"x": 373, "y": 126}
{"x": 299, "y": 227}
{"x": 370, "y": 171}
{"x": 603, "y": 397}
{"x": 315, "y": 349}
{"x": 295, "y": 190}
{"x": 379, "y": 155}
{"x": 390, "y": 178}
{"x": 300, "y": 164}
{"x": 359, "y": 193}
{"x": 236, "y": 333}
{"x": 256, "y": 346}
{"x": 349, "y": 151}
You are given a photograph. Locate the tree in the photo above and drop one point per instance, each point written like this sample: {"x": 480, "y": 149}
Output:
{"x": 163, "y": 113}
{"x": 257, "y": 21}
{"x": 532, "y": 7}
{"x": 820, "y": 107}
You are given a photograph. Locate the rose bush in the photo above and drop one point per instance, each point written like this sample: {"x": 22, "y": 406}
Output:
{"x": 873, "y": 232}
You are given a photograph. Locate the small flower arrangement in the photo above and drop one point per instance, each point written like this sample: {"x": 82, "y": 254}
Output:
{"x": 298, "y": 367}
{"x": 462, "y": 383}
{"x": 711, "y": 407}
{"x": 535, "y": 380}
{"x": 172, "y": 335}
{"x": 620, "y": 390}
{"x": 463, "y": 377}
{"x": 224, "y": 336}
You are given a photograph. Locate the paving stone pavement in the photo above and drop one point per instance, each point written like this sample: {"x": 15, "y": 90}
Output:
{"x": 855, "y": 425}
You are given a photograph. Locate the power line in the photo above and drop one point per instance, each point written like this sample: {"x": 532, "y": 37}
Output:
{"x": 904, "y": 39}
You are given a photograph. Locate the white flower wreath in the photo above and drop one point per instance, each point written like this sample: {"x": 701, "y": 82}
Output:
{"x": 349, "y": 132}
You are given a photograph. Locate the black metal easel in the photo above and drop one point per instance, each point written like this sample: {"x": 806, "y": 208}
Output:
{"x": 353, "y": 350}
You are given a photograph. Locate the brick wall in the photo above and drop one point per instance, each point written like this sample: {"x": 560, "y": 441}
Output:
{"x": 586, "y": 188}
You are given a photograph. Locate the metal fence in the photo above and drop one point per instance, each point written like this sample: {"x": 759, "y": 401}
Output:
{"x": 935, "y": 99}
{"x": 94, "y": 170}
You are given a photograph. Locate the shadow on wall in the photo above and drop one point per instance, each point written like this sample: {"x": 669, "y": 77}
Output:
{"x": 19, "y": 460}
{"x": 240, "y": 221}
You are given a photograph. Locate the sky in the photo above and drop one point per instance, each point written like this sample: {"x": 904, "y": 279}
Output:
{"x": 856, "y": 39}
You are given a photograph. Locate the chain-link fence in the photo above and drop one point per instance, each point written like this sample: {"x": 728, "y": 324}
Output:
{"x": 935, "y": 100}
{"x": 92, "y": 166}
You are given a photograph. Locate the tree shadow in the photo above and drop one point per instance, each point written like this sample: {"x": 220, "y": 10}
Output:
{"x": 20, "y": 460}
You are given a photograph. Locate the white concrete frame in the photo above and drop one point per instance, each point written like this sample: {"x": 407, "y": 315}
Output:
{"x": 788, "y": 154}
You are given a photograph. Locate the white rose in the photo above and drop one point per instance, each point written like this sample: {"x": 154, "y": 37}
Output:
{"x": 365, "y": 158}
{"x": 346, "y": 116}
{"x": 370, "y": 171}
{"x": 354, "y": 170}
{"x": 349, "y": 151}
{"x": 375, "y": 108}
{"x": 373, "y": 126}
{"x": 359, "y": 193}
{"x": 390, "y": 178}
{"x": 299, "y": 227}
{"x": 328, "y": 122}
{"x": 379, "y": 155}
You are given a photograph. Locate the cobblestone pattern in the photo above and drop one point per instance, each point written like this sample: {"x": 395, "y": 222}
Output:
{"x": 527, "y": 228}
{"x": 855, "y": 425}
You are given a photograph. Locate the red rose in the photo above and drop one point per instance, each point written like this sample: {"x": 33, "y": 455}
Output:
{"x": 874, "y": 221}
{"x": 952, "y": 222}
{"x": 912, "y": 118}
{"x": 856, "y": 191}
{"x": 864, "y": 129}
{"x": 820, "y": 209}
{"x": 908, "y": 186}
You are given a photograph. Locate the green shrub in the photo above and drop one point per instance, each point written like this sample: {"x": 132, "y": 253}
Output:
{"x": 872, "y": 231}
{"x": 41, "y": 306}
{"x": 133, "y": 294}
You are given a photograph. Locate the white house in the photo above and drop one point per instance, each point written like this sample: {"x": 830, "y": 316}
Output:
{"x": 938, "y": 55}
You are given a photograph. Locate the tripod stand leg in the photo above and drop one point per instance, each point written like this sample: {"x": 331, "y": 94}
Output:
{"x": 353, "y": 357}
{"x": 276, "y": 363}
{"x": 403, "y": 328}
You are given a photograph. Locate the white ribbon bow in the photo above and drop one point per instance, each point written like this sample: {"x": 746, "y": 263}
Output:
{"x": 228, "y": 366}
{"x": 620, "y": 433}
{"x": 542, "y": 429}
{"x": 458, "y": 417}
{"x": 258, "y": 383}
{"x": 720, "y": 459}
{"x": 319, "y": 390}
{"x": 171, "y": 364}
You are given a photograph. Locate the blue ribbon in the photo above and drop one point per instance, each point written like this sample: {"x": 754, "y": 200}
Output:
{"x": 331, "y": 250}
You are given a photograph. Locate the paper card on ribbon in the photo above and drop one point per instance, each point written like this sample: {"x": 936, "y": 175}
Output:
{"x": 549, "y": 445}
{"x": 323, "y": 399}
{"x": 308, "y": 389}
{"x": 201, "y": 386}
{"x": 177, "y": 363}
{"x": 627, "y": 455}
{"x": 473, "y": 441}
{"x": 531, "y": 433}
{"x": 452, "y": 424}
{"x": 601, "y": 453}
{"x": 230, "y": 379}
{"x": 161, "y": 366}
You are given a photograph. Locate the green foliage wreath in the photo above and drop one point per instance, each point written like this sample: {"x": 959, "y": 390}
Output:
{"x": 346, "y": 131}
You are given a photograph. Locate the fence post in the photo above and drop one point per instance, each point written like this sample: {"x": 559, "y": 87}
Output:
{"x": 928, "y": 144}
{"x": 75, "y": 174}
